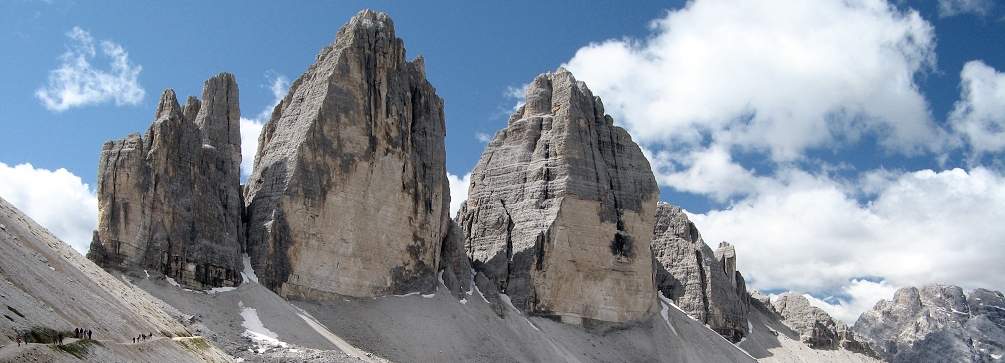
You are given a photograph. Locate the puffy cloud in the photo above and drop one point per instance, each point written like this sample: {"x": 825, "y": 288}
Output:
{"x": 860, "y": 295}
{"x": 458, "y": 191}
{"x": 949, "y": 8}
{"x": 77, "y": 83}
{"x": 483, "y": 137}
{"x": 774, "y": 76}
{"x": 809, "y": 233}
{"x": 57, "y": 200}
{"x": 251, "y": 129}
{"x": 979, "y": 115}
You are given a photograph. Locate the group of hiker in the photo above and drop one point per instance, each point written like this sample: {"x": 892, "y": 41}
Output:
{"x": 57, "y": 338}
{"x": 142, "y": 337}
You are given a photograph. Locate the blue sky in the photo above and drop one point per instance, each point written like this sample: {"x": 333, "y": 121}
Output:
{"x": 845, "y": 147}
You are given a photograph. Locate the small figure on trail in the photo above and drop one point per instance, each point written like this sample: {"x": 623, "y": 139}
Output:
{"x": 134, "y": 340}
{"x": 60, "y": 338}
{"x": 76, "y": 332}
{"x": 25, "y": 338}
{"x": 19, "y": 340}
{"x": 88, "y": 334}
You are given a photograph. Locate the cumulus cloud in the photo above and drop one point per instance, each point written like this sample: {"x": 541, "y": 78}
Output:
{"x": 57, "y": 200}
{"x": 483, "y": 137}
{"x": 458, "y": 191}
{"x": 979, "y": 115}
{"x": 251, "y": 129}
{"x": 949, "y": 8}
{"x": 859, "y": 296}
{"x": 78, "y": 83}
{"x": 773, "y": 76}
{"x": 809, "y": 233}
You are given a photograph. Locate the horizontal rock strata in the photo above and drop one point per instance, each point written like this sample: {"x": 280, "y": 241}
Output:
{"x": 560, "y": 210}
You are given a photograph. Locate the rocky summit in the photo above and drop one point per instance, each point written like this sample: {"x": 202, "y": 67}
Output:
{"x": 170, "y": 201}
{"x": 703, "y": 283}
{"x": 349, "y": 194}
{"x": 816, "y": 328}
{"x": 560, "y": 210}
{"x": 936, "y": 323}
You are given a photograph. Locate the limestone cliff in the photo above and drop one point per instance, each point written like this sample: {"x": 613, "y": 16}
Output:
{"x": 936, "y": 323}
{"x": 170, "y": 201}
{"x": 815, "y": 327}
{"x": 703, "y": 283}
{"x": 349, "y": 193}
{"x": 560, "y": 210}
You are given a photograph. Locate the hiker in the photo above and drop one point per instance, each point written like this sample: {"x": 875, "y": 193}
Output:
{"x": 88, "y": 334}
{"x": 25, "y": 338}
{"x": 134, "y": 340}
{"x": 60, "y": 338}
{"x": 19, "y": 340}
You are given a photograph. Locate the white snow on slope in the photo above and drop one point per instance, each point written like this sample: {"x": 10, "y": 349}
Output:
{"x": 249, "y": 273}
{"x": 257, "y": 332}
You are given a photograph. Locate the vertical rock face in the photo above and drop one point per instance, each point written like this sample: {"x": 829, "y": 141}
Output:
{"x": 349, "y": 193}
{"x": 816, "y": 328}
{"x": 560, "y": 210}
{"x": 170, "y": 200}
{"x": 936, "y": 323}
{"x": 703, "y": 283}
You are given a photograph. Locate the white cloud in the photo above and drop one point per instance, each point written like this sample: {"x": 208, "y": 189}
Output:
{"x": 808, "y": 233}
{"x": 483, "y": 137}
{"x": 458, "y": 191}
{"x": 774, "y": 76}
{"x": 57, "y": 200}
{"x": 949, "y": 8}
{"x": 518, "y": 94}
{"x": 251, "y": 129}
{"x": 77, "y": 83}
{"x": 860, "y": 295}
{"x": 979, "y": 115}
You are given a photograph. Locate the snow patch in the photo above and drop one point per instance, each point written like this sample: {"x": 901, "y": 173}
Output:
{"x": 996, "y": 356}
{"x": 666, "y": 312}
{"x": 481, "y": 294}
{"x": 464, "y": 301}
{"x": 408, "y": 294}
{"x": 148, "y": 274}
{"x": 506, "y": 299}
{"x": 249, "y": 273}
{"x": 171, "y": 281}
{"x": 531, "y": 324}
{"x": 429, "y": 296}
{"x": 220, "y": 289}
{"x": 257, "y": 332}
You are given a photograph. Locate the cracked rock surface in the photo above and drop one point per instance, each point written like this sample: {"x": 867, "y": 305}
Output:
{"x": 560, "y": 210}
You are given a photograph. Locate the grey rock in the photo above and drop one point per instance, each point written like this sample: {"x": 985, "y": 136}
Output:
{"x": 349, "y": 194}
{"x": 693, "y": 276}
{"x": 560, "y": 210}
{"x": 455, "y": 267}
{"x": 170, "y": 201}
{"x": 815, "y": 327}
{"x": 936, "y": 323}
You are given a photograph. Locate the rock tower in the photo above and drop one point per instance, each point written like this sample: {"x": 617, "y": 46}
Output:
{"x": 170, "y": 201}
{"x": 703, "y": 283}
{"x": 560, "y": 210}
{"x": 349, "y": 194}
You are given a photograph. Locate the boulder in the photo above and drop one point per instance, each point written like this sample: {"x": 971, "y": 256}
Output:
{"x": 936, "y": 323}
{"x": 349, "y": 193}
{"x": 560, "y": 210}
{"x": 696, "y": 278}
{"x": 170, "y": 201}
